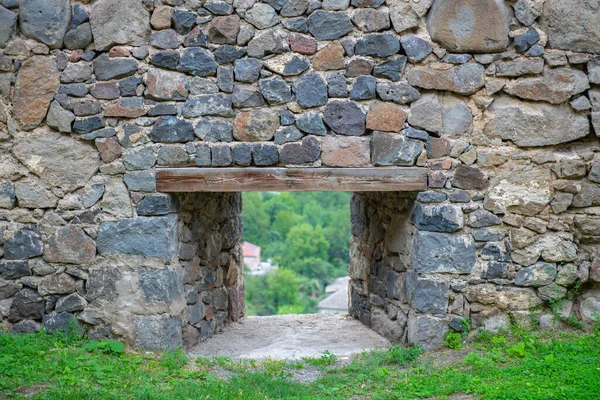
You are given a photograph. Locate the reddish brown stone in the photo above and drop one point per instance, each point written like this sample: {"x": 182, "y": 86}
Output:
{"x": 224, "y": 30}
{"x": 302, "y": 44}
{"x": 386, "y": 117}
{"x": 119, "y": 51}
{"x": 109, "y": 148}
{"x": 469, "y": 178}
{"x": 125, "y": 108}
{"x": 37, "y": 82}
{"x": 75, "y": 55}
{"x": 166, "y": 85}
{"x": 161, "y": 17}
{"x": 343, "y": 151}
{"x": 437, "y": 179}
{"x": 438, "y": 147}
{"x": 330, "y": 57}
{"x": 437, "y": 164}
{"x": 70, "y": 245}
{"x": 358, "y": 67}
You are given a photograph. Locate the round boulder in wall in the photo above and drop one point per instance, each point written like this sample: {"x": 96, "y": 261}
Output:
{"x": 476, "y": 26}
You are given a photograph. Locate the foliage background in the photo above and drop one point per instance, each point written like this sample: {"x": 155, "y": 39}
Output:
{"x": 308, "y": 235}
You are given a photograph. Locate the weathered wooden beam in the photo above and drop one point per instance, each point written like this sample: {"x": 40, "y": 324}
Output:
{"x": 291, "y": 179}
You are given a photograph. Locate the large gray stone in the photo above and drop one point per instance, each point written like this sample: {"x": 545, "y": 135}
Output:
{"x": 247, "y": 96}
{"x": 116, "y": 199}
{"x": 31, "y": 193}
{"x": 535, "y": 124}
{"x": 572, "y": 25}
{"x": 345, "y": 117}
{"x": 142, "y": 236}
{"x": 71, "y": 303}
{"x": 107, "y": 68}
{"x": 262, "y": 16}
{"x": 45, "y": 20}
{"x": 209, "y": 104}
{"x": 539, "y": 274}
{"x": 311, "y": 122}
{"x": 161, "y": 284}
{"x": 443, "y": 252}
{"x": 556, "y": 86}
{"x": 397, "y": 92}
{"x": 306, "y": 152}
{"x": 8, "y": 24}
{"x": 8, "y": 289}
{"x": 426, "y": 331}
{"x": 270, "y": 41}
{"x": 329, "y": 25}
{"x": 470, "y": 26}
{"x": 415, "y": 48}
{"x": 310, "y": 90}
{"x": 392, "y": 149}
{"x": 119, "y": 22}
{"x": 14, "y": 269}
{"x": 525, "y": 192}
{"x": 59, "y": 118}
{"x": 437, "y": 218}
{"x": 79, "y": 38}
{"x": 157, "y": 204}
{"x": 172, "y": 130}
{"x": 157, "y": 332}
{"x": 275, "y": 90}
{"x": 214, "y": 130}
{"x": 371, "y": 20}
{"x": 426, "y": 295}
{"x": 198, "y": 61}
{"x": 26, "y": 243}
{"x": 57, "y": 159}
{"x": 462, "y": 79}
{"x": 62, "y": 322}
{"x": 27, "y": 304}
{"x": 381, "y": 323}
{"x": 377, "y": 45}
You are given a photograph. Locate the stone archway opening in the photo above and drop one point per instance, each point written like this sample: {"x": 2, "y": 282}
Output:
{"x": 382, "y": 203}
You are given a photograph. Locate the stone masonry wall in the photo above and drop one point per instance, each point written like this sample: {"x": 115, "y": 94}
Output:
{"x": 499, "y": 100}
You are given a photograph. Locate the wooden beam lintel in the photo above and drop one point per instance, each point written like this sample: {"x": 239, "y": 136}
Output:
{"x": 389, "y": 179}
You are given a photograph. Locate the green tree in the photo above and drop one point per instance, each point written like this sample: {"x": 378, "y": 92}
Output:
{"x": 305, "y": 241}
{"x": 256, "y": 220}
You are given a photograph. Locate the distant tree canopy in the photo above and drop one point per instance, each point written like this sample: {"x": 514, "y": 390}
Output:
{"x": 308, "y": 234}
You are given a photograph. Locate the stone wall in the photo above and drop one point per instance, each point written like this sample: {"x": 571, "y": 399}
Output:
{"x": 499, "y": 100}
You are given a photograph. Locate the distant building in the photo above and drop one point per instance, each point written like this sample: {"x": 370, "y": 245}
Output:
{"x": 337, "y": 301}
{"x": 251, "y": 255}
{"x": 252, "y": 260}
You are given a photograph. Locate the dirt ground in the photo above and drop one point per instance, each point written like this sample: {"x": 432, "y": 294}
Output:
{"x": 291, "y": 337}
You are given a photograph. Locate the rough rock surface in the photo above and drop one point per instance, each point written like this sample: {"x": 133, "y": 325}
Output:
{"x": 45, "y": 20}
{"x": 37, "y": 82}
{"x": 535, "y": 124}
{"x": 57, "y": 159}
{"x": 119, "y": 22}
{"x": 470, "y": 25}
{"x": 572, "y": 25}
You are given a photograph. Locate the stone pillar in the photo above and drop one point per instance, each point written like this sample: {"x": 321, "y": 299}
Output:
{"x": 405, "y": 257}
{"x": 210, "y": 253}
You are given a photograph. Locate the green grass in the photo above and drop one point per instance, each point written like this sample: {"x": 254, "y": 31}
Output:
{"x": 517, "y": 365}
